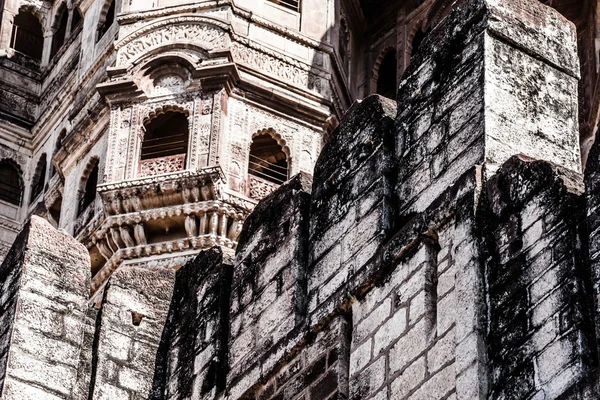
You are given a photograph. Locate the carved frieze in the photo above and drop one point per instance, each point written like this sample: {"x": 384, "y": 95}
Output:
{"x": 190, "y": 30}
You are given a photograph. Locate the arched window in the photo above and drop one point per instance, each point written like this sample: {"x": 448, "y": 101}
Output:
{"x": 11, "y": 184}
{"x": 76, "y": 19}
{"x": 106, "y": 22}
{"x": 89, "y": 183}
{"x": 27, "y": 35}
{"x": 386, "y": 80}
{"x": 267, "y": 160}
{"x": 60, "y": 33}
{"x": 39, "y": 178}
{"x": 165, "y": 144}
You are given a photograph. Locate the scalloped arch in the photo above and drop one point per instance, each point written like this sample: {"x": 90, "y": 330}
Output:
{"x": 163, "y": 110}
{"x": 278, "y": 138}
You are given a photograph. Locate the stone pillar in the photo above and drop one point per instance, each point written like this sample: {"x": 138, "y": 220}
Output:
{"x": 494, "y": 79}
{"x": 44, "y": 323}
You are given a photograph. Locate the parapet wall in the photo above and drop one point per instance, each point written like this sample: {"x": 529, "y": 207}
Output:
{"x": 440, "y": 250}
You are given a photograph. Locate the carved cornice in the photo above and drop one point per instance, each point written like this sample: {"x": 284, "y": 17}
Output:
{"x": 214, "y": 173}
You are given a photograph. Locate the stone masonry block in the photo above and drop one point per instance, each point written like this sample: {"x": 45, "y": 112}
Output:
{"x": 45, "y": 280}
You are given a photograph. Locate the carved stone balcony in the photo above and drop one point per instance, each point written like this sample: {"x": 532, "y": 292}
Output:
{"x": 164, "y": 220}
{"x": 161, "y": 165}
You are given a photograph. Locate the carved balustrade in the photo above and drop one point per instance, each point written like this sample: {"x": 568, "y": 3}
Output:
{"x": 161, "y": 165}
{"x": 259, "y": 187}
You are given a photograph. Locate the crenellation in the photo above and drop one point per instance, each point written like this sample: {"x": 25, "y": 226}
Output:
{"x": 245, "y": 239}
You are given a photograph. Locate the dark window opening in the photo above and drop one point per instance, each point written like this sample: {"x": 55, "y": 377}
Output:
{"x": 108, "y": 21}
{"x": 89, "y": 191}
{"x": 386, "y": 80}
{"x": 267, "y": 159}
{"x": 11, "y": 184}
{"x": 58, "y": 39}
{"x": 39, "y": 178}
{"x": 293, "y": 5}
{"x": 166, "y": 135}
{"x": 27, "y": 35}
{"x": 76, "y": 19}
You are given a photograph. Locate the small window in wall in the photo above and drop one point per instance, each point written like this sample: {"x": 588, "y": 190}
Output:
{"x": 107, "y": 21}
{"x": 88, "y": 194}
{"x": 39, "y": 178}
{"x": 293, "y": 5}
{"x": 165, "y": 144}
{"x": 27, "y": 36}
{"x": 58, "y": 39}
{"x": 267, "y": 159}
{"x": 386, "y": 80}
{"x": 11, "y": 184}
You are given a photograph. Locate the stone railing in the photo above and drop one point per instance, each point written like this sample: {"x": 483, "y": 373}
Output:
{"x": 259, "y": 187}
{"x": 161, "y": 165}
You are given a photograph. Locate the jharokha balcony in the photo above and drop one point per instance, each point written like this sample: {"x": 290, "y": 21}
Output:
{"x": 167, "y": 214}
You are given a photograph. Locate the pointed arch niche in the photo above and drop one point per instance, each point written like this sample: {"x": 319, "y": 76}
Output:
{"x": 164, "y": 146}
{"x": 268, "y": 163}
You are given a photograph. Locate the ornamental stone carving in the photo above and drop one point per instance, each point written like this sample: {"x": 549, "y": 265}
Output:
{"x": 162, "y": 165}
{"x": 203, "y": 32}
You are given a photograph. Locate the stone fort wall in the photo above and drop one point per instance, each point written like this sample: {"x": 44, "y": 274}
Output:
{"x": 445, "y": 248}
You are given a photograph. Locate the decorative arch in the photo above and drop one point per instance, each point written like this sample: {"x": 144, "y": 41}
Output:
{"x": 88, "y": 184}
{"x": 277, "y": 137}
{"x": 27, "y": 35}
{"x": 165, "y": 109}
{"x": 11, "y": 182}
{"x": 107, "y": 18}
{"x": 59, "y": 27}
{"x": 164, "y": 146}
{"x": 269, "y": 158}
{"x": 189, "y": 31}
{"x": 379, "y": 74}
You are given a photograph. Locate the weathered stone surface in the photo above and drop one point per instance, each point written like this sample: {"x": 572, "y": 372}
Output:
{"x": 45, "y": 286}
{"x": 192, "y": 356}
{"x": 425, "y": 260}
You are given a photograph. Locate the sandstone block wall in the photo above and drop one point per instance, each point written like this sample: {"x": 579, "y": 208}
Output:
{"x": 426, "y": 259}
{"x": 128, "y": 332}
{"x": 44, "y": 345}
